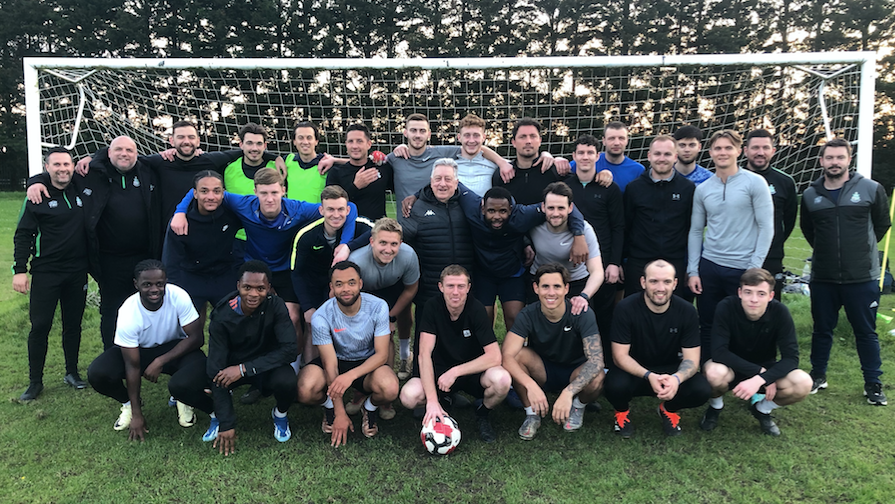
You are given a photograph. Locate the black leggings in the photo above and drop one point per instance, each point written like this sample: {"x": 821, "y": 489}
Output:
{"x": 107, "y": 375}
{"x": 620, "y": 387}
{"x": 116, "y": 284}
{"x": 48, "y": 289}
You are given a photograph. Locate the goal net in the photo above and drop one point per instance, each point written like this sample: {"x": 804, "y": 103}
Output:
{"x": 803, "y": 99}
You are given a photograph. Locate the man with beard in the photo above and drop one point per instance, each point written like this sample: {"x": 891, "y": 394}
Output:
{"x": 351, "y": 331}
{"x": 689, "y": 145}
{"x": 363, "y": 180}
{"x": 658, "y": 205}
{"x": 655, "y": 346}
{"x": 843, "y": 216}
{"x": 759, "y": 152}
{"x": 53, "y": 234}
{"x": 532, "y": 170}
{"x": 613, "y": 158}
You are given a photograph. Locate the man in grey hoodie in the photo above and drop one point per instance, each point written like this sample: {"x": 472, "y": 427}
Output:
{"x": 735, "y": 210}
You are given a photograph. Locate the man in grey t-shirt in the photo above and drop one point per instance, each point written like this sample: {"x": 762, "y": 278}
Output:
{"x": 351, "y": 332}
{"x": 390, "y": 270}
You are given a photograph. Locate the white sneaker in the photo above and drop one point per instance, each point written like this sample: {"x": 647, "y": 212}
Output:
{"x": 186, "y": 417}
{"x": 124, "y": 419}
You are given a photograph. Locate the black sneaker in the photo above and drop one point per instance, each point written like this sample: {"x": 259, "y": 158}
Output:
{"x": 74, "y": 380}
{"x": 486, "y": 431}
{"x": 671, "y": 422}
{"x": 251, "y": 396}
{"x": 34, "y": 390}
{"x": 820, "y": 382}
{"x": 765, "y": 421}
{"x": 710, "y": 419}
{"x": 622, "y": 426}
{"x": 329, "y": 416}
{"x": 874, "y": 394}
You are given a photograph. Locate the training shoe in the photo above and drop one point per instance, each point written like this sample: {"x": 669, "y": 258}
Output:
{"x": 329, "y": 416}
{"x": 513, "y": 400}
{"x": 369, "y": 422}
{"x": 252, "y": 395}
{"x": 671, "y": 422}
{"x": 356, "y": 404}
{"x": 529, "y": 427}
{"x": 404, "y": 369}
{"x": 172, "y": 402}
{"x": 34, "y": 389}
{"x": 874, "y": 394}
{"x": 74, "y": 380}
{"x": 576, "y": 419}
{"x": 710, "y": 419}
{"x": 765, "y": 421}
{"x": 281, "y": 430}
{"x": 124, "y": 419}
{"x": 623, "y": 426}
{"x": 820, "y": 382}
{"x": 212, "y": 433}
{"x": 186, "y": 417}
{"x": 486, "y": 431}
{"x": 387, "y": 412}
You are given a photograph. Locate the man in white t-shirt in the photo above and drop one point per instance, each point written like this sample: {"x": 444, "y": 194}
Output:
{"x": 158, "y": 331}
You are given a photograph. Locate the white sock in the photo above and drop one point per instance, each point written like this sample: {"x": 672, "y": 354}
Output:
{"x": 297, "y": 364}
{"x": 277, "y": 413}
{"x": 369, "y": 406}
{"x": 328, "y": 403}
{"x": 126, "y": 403}
{"x": 529, "y": 410}
{"x": 717, "y": 402}
{"x": 765, "y": 406}
{"x": 405, "y": 348}
{"x": 576, "y": 403}
{"x": 211, "y": 415}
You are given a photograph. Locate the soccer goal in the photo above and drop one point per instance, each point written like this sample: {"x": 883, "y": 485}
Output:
{"x": 802, "y": 98}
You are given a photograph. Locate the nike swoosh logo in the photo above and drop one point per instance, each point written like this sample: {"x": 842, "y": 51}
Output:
{"x": 567, "y": 328}
{"x": 318, "y": 247}
{"x": 564, "y": 244}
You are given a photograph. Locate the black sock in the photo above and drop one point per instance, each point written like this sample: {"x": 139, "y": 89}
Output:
{"x": 481, "y": 410}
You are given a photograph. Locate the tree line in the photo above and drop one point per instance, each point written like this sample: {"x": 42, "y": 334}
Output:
{"x": 430, "y": 28}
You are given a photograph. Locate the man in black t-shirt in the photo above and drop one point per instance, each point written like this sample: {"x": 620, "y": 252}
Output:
{"x": 365, "y": 180}
{"x": 563, "y": 354}
{"x": 649, "y": 333}
{"x": 458, "y": 351}
{"x": 748, "y": 330}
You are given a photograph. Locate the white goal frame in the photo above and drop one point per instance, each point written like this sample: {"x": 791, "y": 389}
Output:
{"x": 865, "y": 59}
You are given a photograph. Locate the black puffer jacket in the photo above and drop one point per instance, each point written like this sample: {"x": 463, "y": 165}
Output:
{"x": 439, "y": 234}
{"x": 845, "y": 234}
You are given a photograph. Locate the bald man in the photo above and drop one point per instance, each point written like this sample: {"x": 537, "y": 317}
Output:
{"x": 123, "y": 222}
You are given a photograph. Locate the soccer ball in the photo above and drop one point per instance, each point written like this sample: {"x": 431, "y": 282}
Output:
{"x": 441, "y": 438}
{"x": 378, "y": 157}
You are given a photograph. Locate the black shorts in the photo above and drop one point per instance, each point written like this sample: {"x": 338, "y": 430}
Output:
{"x": 389, "y": 294}
{"x": 344, "y": 367}
{"x": 488, "y": 288}
{"x": 282, "y": 286}
{"x": 471, "y": 384}
{"x": 738, "y": 378}
{"x": 205, "y": 288}
{"x": 558, "y": 375}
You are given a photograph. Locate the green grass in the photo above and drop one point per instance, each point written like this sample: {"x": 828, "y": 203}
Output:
{"x": 61, "y": 447}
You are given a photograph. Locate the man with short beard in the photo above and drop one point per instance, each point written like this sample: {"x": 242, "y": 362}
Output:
{"x": 759, "y": 151}
{"x": 843, "y": 216}
{"x": 123, "y": 224}
{"x": 655, "y": 346}
{"x": 613, "y": 158}
{"x": 365, "y": 181}
{"x": 689, "y": 145}
{"x": 532, "y": 170}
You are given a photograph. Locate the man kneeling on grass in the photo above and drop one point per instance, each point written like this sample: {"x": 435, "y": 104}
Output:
{"x": 251, "y": 341}
{"x": 158, "y": 331}
{"x": 563, "y": 355}
{"x": 458, "y": 351}
{"x": 351, "y": 332}
{"x": 748, "y": 330}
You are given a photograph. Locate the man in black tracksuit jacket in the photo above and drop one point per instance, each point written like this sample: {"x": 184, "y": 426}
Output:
{"x": 843, "y": 217}
{"x": 657, "y": 221}
{"x": 123, "y": 223}
{"x": 251, "y": 340}
{"x": 54, "y": 233}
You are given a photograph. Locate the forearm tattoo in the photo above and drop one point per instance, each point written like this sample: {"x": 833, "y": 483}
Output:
{"x": 686, "y": 369}
{"x": 593, "y": 349}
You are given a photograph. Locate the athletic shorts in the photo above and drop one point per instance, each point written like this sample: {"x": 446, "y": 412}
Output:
{"x": 558, "y": 375}
{"x": 487, "y": 288}
{"x": 471, "y": 384}
{"x": 282, "y": 286}
{"x": 389, "y": 294}
{"x": 738, "y": 378}
{"x": 205, "y": 288}
{"x": 344, "y": 367}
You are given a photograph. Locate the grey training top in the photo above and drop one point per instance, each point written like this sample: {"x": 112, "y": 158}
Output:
{"x": 352, "y": 337}
{"x": 404, "y": 268}
{"x": 738, "y": 218}
{"x": 553, "y": 247}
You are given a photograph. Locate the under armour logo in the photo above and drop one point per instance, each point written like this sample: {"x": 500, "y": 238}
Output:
{"x": 429, "y": 212}
{"x": 675, "y": 197}
{"x": 673, "y": 330}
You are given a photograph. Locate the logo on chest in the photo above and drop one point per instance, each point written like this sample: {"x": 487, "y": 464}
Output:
{"x": 53, "y": 204}
{"x": 78, "y": 201}
{"x": 856, "y": 197}
{"x": 429, "y": 212}
{"x": 467, "y": 333}
{"x": 136, "y": 182}
{"x": 673, "y": 330}
{"x": 773, "y": 189}
{"x": 675, "y": 197}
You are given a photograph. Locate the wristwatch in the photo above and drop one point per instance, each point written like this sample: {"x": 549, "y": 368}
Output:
{"x": 585, "y": 296}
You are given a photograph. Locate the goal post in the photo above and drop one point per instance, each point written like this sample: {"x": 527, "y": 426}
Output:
{"x": 802, "y": 98}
